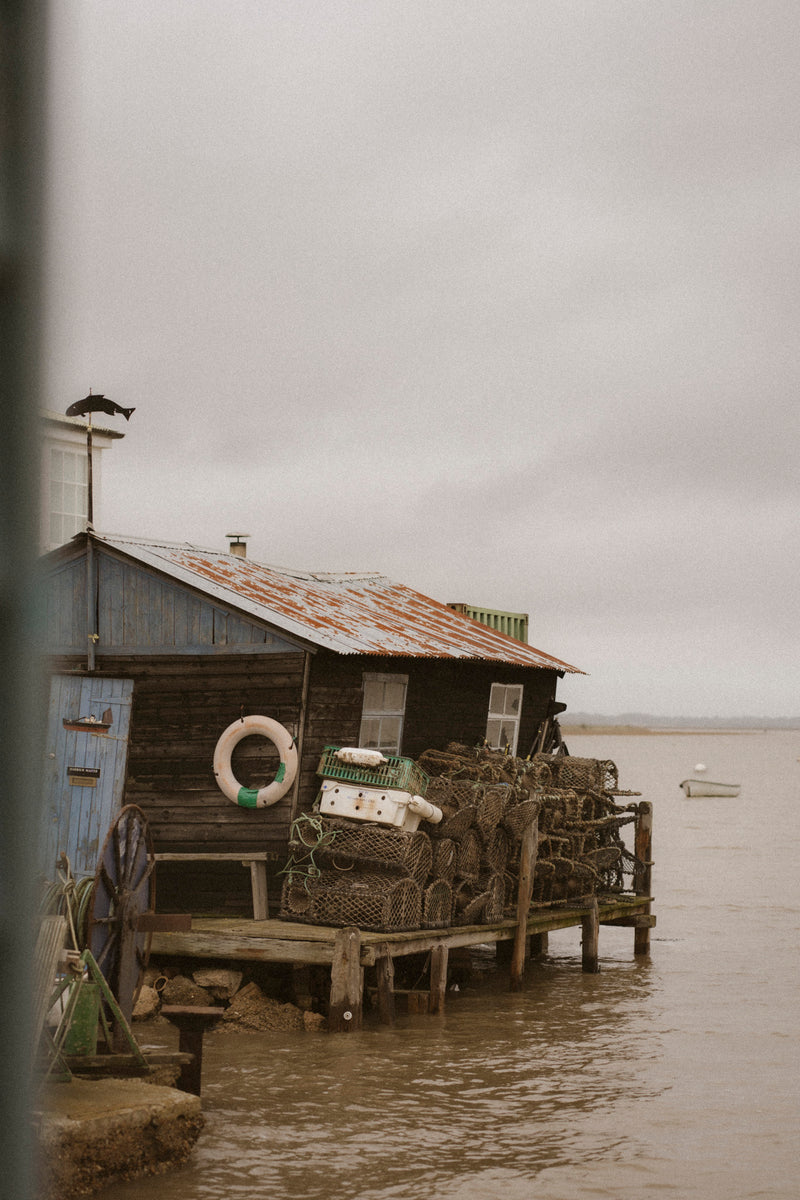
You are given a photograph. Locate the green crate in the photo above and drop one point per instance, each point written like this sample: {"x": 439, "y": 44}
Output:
{"x": 402, "y": 774}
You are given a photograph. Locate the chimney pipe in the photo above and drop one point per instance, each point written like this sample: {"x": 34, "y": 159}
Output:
{"x": 237, "y": 546}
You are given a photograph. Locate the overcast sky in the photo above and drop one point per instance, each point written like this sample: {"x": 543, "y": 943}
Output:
{"x": 499, "y": 299}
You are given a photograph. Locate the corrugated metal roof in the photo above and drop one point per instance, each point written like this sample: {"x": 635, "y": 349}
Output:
{"x": 349, "y": 613}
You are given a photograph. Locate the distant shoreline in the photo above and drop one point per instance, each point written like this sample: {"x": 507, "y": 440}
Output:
{"x": 640, "y": 730}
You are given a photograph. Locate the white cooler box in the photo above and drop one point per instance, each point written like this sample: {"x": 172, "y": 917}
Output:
{"x": 387, "y": 806}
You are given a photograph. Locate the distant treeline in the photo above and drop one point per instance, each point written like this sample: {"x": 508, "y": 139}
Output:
{"x": 651, "y": 721}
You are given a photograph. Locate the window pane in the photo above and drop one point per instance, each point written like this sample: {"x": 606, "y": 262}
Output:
{"x": 373, "y": 695}
{"x": 370, "y": 733}
{"x": 390, "y": 735}
{"x": 394, "y": 697}
{"x": 513, "y": 698}
{"x": 493, "y": 731}
{"x": 507, "y": 733}
{"x": 496, "y": 698}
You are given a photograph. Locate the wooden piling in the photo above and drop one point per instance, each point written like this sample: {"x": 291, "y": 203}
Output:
{"x": 527, "y": 869}
{"x": 590, "y": 925}
{"x": 439, "y": 956}
{"x": 643, "y": 877}
{"x": 384, "y": 973}
{"x": 347, "y": 982}
{"x": 539, "y": 945}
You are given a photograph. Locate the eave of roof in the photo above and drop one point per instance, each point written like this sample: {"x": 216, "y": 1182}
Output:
{"x": 79, "y": 423}
{"x": 348, "y": 613}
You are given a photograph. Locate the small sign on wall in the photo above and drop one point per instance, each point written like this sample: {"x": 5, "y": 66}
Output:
{"x": 83, "y": 776}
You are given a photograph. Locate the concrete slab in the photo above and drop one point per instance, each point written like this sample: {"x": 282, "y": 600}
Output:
{"x": 91, "y": 1132}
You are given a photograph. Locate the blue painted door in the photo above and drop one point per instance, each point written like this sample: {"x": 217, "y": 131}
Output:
{"x": 86, "y": 756}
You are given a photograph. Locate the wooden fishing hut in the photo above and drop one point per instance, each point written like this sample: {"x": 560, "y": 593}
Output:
{"x": 156, "y": 649}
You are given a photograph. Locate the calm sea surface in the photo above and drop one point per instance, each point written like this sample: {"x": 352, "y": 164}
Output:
{"x": 673, "y": 1076}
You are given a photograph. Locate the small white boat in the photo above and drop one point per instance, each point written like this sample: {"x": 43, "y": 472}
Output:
{"x": 707, "y": 787}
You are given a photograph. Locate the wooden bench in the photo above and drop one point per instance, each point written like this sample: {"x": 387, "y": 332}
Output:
{"x": 256, "y": 860}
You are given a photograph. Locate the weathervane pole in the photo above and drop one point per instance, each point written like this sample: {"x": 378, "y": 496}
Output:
{"x": 84, "y": 408}
{"x": 89, "y": 496}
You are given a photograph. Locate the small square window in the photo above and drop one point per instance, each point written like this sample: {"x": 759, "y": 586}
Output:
{"x": 502, "y": 723}
{"x": 383, "y": 712}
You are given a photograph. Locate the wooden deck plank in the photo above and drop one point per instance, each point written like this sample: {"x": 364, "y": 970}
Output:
{"x": 287, "y": 942}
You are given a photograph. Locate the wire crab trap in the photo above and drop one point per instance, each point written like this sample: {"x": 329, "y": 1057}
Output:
{"x": 444, "y": 859}
{"x": 375, "y": 848}
{"x": 491, "y": 806}
{"x": 456, "y": 826}
{"x": 496, "y": 849}
{"x": 479, "y": 902}
{"x": 382, "y": 903}
{"x": 468, "y": 855}
{"x": 437, "y": 905}
{"x": 583, "y": 774}
{"x": 518, "y": 817}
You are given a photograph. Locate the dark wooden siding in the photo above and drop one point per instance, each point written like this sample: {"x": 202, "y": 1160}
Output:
{"x": 448, "y": 700}
{"x": 180, "y": 708}
{"x": 181, "y": 705}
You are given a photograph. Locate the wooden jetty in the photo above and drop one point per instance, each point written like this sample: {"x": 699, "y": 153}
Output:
{"x": 347, "y": 952}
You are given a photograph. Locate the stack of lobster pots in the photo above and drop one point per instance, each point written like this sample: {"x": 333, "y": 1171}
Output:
{"x": 361, "y": 857}
{"x": 394, "y": 844}
{"x": 488, "y": 799}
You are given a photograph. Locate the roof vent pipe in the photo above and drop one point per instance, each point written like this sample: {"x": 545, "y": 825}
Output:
{"x": 237, "y": 545}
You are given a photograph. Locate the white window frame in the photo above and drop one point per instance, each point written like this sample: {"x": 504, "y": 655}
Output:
{"x": 388, "y": 745}
{"x": 68, "y": 498}
{"x": 501, "y": 700}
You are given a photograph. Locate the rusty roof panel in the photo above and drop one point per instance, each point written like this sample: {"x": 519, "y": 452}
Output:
{"x": 349, "y": 613}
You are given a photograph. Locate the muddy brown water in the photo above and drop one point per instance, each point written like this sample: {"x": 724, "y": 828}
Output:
{"x": 673, "y": 1076}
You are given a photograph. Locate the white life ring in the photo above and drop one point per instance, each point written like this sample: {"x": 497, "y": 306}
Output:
{"x": 255, "y": 797}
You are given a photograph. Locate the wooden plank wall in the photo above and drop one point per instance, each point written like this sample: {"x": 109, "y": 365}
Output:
{"x": 181, "y": 705}
{"x": 180, "y": 708}
{"x": 448, "y": 700}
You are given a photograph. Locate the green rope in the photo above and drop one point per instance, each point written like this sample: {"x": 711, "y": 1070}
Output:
{"x": 304, "y": 866}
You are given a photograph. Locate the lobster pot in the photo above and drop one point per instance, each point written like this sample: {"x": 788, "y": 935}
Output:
{"x": 494, "y": 889}
{"x": 376, "y": 848}
{"x": 476, "y": 903}
{"x": 496, "y": 850}
{"x": 457, "y": 824}
{"x": 491, "y": 806}
{"x": 444, "y": 859}
{"x": 543, "y": 880}
{"x": 604, "y": 858}
{"x": 537, "y": 774}
{"x": 583, "y": 774}
{"x": 437, "y": 905}
{"x": 466, "y": 793}
{"x": 440, "y": 792}
{"x": 468, "y": 855}
{"x": 464, "y": 894}
{"x": 554, "y": 807}
{"x": 518, "y": 817}
{"x": 379, "y": 902}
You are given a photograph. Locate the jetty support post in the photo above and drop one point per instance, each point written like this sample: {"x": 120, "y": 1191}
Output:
{"x": 643, "y": 877}
{"x": 347, "y": 982}
{"x": 590, "y": 934}
{"x": 384, "y": 972}
{"x": 527, "y": 869}
{"x": 439, "y": 957}
{"x": 192, "y": 1021}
